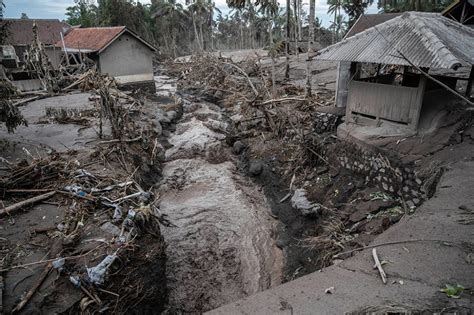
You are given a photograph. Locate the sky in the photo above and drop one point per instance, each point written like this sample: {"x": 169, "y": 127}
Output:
{"x": 55, "y": 9}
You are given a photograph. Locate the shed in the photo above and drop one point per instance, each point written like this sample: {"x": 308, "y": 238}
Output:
{"x": 117, "y": 52}
{"x": 384, "y": 81}
{"x": 364, "y": 22}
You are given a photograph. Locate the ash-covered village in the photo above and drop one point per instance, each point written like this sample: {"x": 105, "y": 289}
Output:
{"x": 177, "y": 158}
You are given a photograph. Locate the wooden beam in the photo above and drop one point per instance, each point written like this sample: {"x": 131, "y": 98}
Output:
{"x": 469, "y": 83}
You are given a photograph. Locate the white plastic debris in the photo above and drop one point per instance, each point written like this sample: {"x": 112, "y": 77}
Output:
{"x": 329, "y": 290}
{"x": 59, "y": 264}
{"x": 301, "y": 203}
{"x": 76, "y": 281}
{"x": 98, "y": 273}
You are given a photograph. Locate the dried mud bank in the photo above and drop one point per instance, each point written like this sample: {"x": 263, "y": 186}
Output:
{"x": 221, "y": 246}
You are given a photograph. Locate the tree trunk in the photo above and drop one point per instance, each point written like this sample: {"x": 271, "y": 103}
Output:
{"x": 295, "y": 11}
{"x": 287, "y": 46}
{"x": 272, "y": 58}
{"x": 196, "y": 34}
{"x": 312, "y": 9}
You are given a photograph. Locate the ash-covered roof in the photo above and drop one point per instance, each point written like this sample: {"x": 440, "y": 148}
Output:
{"x": 366, "y": 21}
{"x": 21, "y": 30}
{"x": 425, "y": 39}
{"x": 95, "y": 39}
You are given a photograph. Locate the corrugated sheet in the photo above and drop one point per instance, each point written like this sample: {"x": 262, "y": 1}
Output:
{"x": 426, "y": 39}
{"x": 92, "y": 38}
{"x": 366, "y": 21}
{"x": 21, "y": 31}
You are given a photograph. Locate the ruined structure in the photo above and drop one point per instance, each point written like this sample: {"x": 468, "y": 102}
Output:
{"x": 21, "y": 35}
{"x": 385, "y": 83}
{"x": 116, "y": 51}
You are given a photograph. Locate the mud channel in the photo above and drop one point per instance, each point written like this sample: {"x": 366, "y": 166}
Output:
{"x": 222, "y": 246}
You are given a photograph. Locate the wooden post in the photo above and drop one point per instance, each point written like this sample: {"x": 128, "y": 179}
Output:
{"x": 469, "y": 83}
{"x": 419, "y": 102}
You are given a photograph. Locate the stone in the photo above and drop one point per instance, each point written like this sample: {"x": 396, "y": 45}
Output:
{"x": 172, "y": 115}
{"x": 418, "y": 181}
{"x": 161, "y": 116}
{"x": 410, "y": 204}
{"x": 238, "y": 147}
{"x": 158, "y": 128}
{"x": 368, "y": 207}
{"x": 166, "y": 133}
{"x": 384, "y": 186}
{"x": 255, "y": 168}
{"x": 416, "y": 201}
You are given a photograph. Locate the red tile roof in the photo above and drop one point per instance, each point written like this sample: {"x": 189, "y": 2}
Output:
{"x": 21, "y": 31}
{"x": 92, "y": 38}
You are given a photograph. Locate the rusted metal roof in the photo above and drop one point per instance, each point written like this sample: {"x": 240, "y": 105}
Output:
{"x": 95, "y": 39}
{"x": 366, "y": 21}
{"x": 426, "y": 39}
{"x": 21, "y": 31}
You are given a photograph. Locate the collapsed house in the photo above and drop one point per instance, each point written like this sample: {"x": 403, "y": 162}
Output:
{"x": 116, "y": 51}
{"x": 14, "y": 54}
{"x": 20, "y": 37}
{"x": 382, "y": 81}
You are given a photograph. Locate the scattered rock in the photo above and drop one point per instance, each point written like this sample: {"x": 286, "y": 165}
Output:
{"x": 368, "y": 207}
{"x": 238, "y": 147}
{"x": 172, "y": 115}
{"x": 255, "y": 168}
{"x": 161, "y": 116}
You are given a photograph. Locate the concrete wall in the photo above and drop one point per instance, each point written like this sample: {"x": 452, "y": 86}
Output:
{"x": 54, "y": 55}
{"x": 28, "y": 85}
{"x": 128, "y": 60}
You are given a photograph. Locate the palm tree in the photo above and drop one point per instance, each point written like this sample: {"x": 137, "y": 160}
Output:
{"x": 312, "y": 10}
{"x": 335, "y": 7}
{"x": 173, "y": 15}
{"x": 287, "y": 41}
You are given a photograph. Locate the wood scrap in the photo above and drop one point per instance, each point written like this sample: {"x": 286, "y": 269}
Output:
{"x": 17, "y": 206}
{"x": 379, "y": 266}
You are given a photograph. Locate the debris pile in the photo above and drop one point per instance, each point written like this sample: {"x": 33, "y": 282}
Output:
{"x": 96, "y": 249}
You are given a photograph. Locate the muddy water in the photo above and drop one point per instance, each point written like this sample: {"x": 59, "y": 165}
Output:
{"x": 223, "y": 246}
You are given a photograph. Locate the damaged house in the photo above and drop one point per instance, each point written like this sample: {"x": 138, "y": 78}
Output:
{"x": 382, "y": 82}
{"x": 14, "y": 54}
{"x": 116, "y": 51}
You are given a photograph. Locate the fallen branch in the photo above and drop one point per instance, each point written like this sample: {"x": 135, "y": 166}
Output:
{"x": 17, "y": 206}
{"x": 379, "y": 266}
{"x": 51, "y": 260}
{"x": 34, "y": 288}
{"x": 120, "y": 140}
{"x": 246, "y": 76}
{"x": 282, "y": 100}
{"x": 387, "y": 244}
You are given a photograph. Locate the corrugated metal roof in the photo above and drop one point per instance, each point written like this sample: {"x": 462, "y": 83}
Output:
{"x": 426, "y": 39}
{"x": 96, "y": 39}
{"x": 366, "y": 21}
{"x": 21, "y": 31}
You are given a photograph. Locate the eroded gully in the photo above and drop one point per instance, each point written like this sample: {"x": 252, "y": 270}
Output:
{"x": 222, "y": 247}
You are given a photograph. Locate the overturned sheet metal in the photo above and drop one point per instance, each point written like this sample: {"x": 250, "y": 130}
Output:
{"x": 426, "y": 39}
